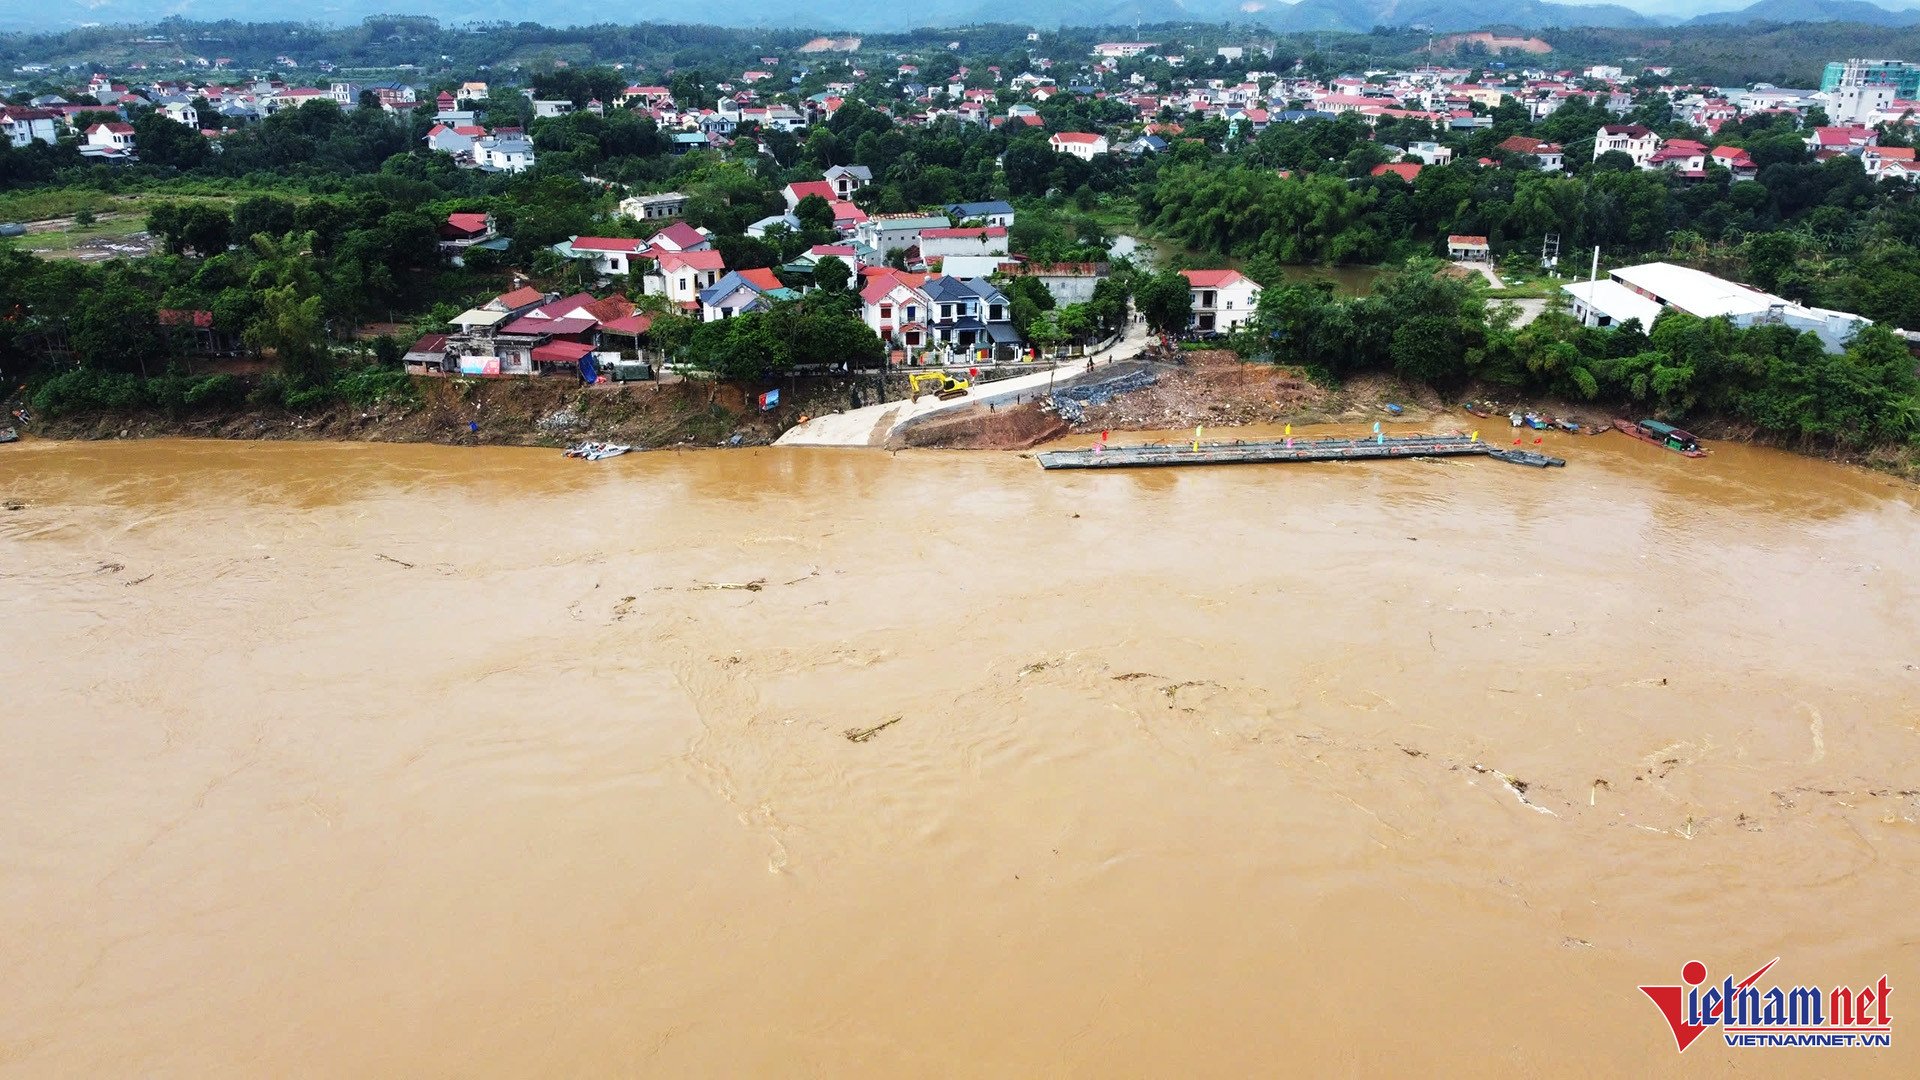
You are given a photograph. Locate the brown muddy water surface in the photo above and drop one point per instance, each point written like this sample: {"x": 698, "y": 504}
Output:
{"x": 412, "y": 760}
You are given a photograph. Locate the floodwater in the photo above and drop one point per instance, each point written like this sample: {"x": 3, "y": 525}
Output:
{"x": 423, "y": 761}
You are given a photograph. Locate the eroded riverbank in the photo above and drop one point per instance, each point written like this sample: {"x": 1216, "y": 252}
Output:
{"x": 410, "y": 759}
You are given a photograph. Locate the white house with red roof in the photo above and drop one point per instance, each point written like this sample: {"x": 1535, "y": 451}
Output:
{"x": 113, "y": 140}
{"x": 1551, "y": 156}
{"x": 893, "y": 303}
{"x": 1683, "y": 156}
{"x": 1890, "y": 162}
{"x": 455, "y": 139}
{"x": 607, "y": 254}
{"x": 681, "y": 275}
{"x": 1841, "y": 140}
{"x": 1223, "y": 300}
{"x": 681, "y": 236}
{"x": 1735, "y": 160}
{"x": 939, "y": 243}
{"x": 795, "y": 192}
{"x": 22, "y": 125}
{"x": 647, "y": 97}
{"x": 1081, "y": 144}
{"x": 294, "y": 97}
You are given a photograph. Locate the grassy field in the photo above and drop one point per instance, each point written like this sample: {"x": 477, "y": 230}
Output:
{"x": 28, "y": 206}
{"x": 56, "y": 242}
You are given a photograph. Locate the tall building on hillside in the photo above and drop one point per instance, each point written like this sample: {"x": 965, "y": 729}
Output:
{"x": 1904, "y": 76}
{"x": 1859, "y": 90}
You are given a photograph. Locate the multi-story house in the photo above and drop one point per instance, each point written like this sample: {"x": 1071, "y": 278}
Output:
{"x": 681, "y": 276}
{"x": 897, "y": 232}
{"x": 22, "y": 125}
{"x": 1223, "y": 300}
{"x": 968, "y": 314}
{"x": 1634, "y": 140}
{"x": 113, "y": 140}
{"x": 503, "y": 153}
{"x": 995, "y": 212}
{"x": 740, "y": 292}
{"x": 892, "y": 303}
{"x": 847, "y": 179}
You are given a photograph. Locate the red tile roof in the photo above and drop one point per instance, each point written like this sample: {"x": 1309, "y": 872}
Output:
{"x": 525, "y": 296}
{"x": 607, "y": 243}
{"x": 681, "y": 235}
{"x": 612, "y": 307}
{"x": 527, "y": 324}
{"x": 884, "y": 280}
{"x": 471, "y": 223}
{"x": 1212, "y": 279}
{"x": 692, "y": 260}
{"x": 634, "y": 325}
{"x": 762, "y": 278}
{"x": 560, "y": 307}
{"x": 962, "y": 233}
{"x": 811, "y": 187}
{"x": 1405, "y": 170}
{"x": 561, "y": 352}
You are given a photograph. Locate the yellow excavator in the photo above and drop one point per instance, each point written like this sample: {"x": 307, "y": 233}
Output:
{"x": 937, "y": 383}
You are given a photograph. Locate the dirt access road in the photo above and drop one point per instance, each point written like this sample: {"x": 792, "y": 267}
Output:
{"x": 873, "y": 425}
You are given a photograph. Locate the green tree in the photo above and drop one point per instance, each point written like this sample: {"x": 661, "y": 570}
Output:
{"x": 1166, "y": 301}
{"x": 814, "y": 212}
{"x": 162, "y": 141}
{"x": 831, "y": 273}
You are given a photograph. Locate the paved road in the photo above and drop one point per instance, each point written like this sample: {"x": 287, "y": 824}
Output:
{"x": 872, "y": 425}
{"x": 1483, "y": 268}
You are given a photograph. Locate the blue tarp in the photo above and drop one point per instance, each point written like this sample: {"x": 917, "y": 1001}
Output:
{"x": 589, "y": 368}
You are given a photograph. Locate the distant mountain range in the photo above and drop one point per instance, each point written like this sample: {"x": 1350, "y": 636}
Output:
{"x": 881, "y": 15}
{"x": 1793, "y": 11}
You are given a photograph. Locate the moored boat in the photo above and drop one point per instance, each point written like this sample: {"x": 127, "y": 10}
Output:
{"x": 597, "y": 451}
{"x": 1474, "y": 408}
{"x": 1659, "y": 434}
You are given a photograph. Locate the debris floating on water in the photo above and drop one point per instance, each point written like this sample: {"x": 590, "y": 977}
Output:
{"x": 864, "y": 734}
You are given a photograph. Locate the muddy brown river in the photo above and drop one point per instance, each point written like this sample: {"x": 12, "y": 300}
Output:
{"x": 340, "y": 760}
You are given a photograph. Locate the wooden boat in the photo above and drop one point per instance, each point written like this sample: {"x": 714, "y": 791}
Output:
{"x": 1475, "y": 409}
{"x": 1659, "y": 434}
